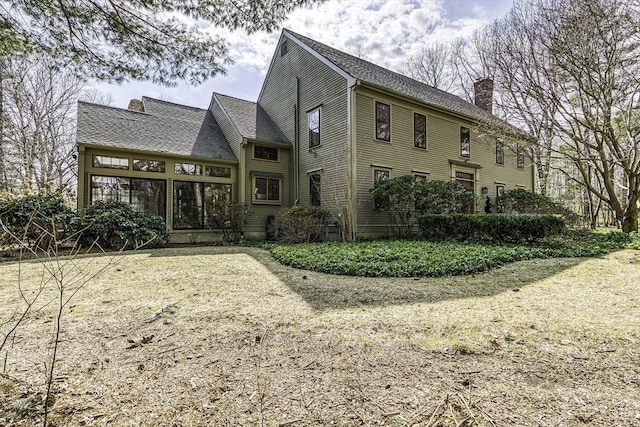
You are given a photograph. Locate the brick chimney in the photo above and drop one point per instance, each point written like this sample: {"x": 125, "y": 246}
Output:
{"x": 136, "y": 105}
{"x": 483, "y": 89}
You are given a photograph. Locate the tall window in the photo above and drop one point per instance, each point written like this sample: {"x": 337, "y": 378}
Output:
{"x": 146, "y": 195}
{"x": 520, "y": 154}
{"x": 380, "y": 175}
{"x": 467, "y": 180}
{"x": 194, "y": 204}
{"x": 315, "y": 188}
{"x": 465, "y": 142}
{"x": 284, "y": 48}
{"x": 419, "y": 131}
{"x": 265, "y": 153}
{"x": 314, "y": 128}
{"x": 266, "y": 189}
{"x": 500, "y": 152}
{"x": 383, "y": 121}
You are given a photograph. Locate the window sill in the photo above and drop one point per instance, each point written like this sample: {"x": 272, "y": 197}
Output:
{"x": 267, "y": 202}
{"x": 382, "y": 140}
{"x": 424, "y": 150}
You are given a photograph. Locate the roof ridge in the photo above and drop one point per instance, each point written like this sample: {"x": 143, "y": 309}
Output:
{"x": 143, "y": 98}
{"x": 111, "y": 107}
{"x": 235, "y": 97}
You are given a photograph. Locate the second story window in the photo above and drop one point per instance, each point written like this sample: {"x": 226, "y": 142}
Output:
{"x": 383, "y": 121}
{"x": 314, "y": 128}
{"x": 500, "y": 152}
{"x": 265, "y": 153}
{"x": 419, "y": 131}
{"x": 284, "y": 48}
{"x": 520, "y": 154}
{"x": 465, "y": 142}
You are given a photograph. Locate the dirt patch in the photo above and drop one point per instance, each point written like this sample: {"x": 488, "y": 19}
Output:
{"x": 227, "y": 336}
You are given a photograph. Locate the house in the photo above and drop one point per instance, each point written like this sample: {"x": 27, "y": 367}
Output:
{"x": 325, "y": 127}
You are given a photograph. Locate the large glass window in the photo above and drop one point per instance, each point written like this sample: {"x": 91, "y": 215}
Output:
{"x": 465, "y": 142}
{"x": 110, "y": 162}
{"x": 383, "y": 121}
{"x": 194, "y": 204}
{"x": 419, "y": 131}
{"x": 218, "y": 171}
{"x": 149, "y": 196}
{"x": 314, "y": 128}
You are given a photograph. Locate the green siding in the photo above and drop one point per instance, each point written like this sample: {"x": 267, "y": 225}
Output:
{"x": 318, "y": 86}
{"x": 228, "y": 129}
{"x": 443, "y": 145}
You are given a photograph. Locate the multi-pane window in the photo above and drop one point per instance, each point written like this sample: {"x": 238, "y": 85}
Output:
{"x": 266, "y": 189}
{"x": 465, "y": 142}
{"x": 380, "y": 175}
{"x": 500, "y": 152}
{"x": 195, "y": 203}
{"x": 314, "y": 128}
{"x": 284, "y": 48}
{"x": 383, "y": 121}
{"x": 520, "y": 154}
{"x": 217, "y": 171}
{"x": 265, "y": 153}
{"x": 147, "y": 165}
{"x": 110, "y": 162}
{"x": 467, "y": 180}
{"x": 419, "y": 130}
{"x": 315, "y": 183}
{"x": 420, "y": 177}
{"x": 499, "y": 190}
{"x": 146, "y": 195}
{"x": 187, "y": 169}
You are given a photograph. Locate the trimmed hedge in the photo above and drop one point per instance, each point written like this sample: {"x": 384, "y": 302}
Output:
{"x": 495, "y": 228}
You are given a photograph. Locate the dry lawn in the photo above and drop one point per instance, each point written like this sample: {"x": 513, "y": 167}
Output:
{"x": 228, "y": 337}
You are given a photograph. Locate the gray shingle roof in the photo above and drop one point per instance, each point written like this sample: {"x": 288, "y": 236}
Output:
{"x": 250, "y": 119}
{"x": 378, "y": 76}
{"x": 163, "y": 127}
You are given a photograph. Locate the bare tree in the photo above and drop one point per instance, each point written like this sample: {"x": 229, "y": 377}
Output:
{"x": 432, "y": 65}
{"x": 38, "y": 138}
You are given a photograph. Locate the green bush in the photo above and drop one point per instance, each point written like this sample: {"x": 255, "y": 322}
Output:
{"x": 118, "y": 225}
{"x": 37, "y": 220}
{"x": 396, "y": 197}
{"x": 442, "y": 197}
{"x": 229, "y": 218}
{"x": 302, "y": 224}
{"x": 520, "y": 201}
{"x": 491, "y": 228}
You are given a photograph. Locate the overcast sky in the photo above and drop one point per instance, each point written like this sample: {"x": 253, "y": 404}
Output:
{"x": 386, "y": 32}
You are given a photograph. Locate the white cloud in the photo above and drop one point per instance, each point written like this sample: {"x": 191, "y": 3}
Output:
{"x": 387, "y": 32}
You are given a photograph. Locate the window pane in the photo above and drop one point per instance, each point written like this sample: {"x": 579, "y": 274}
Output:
{"x": 520, "y": 153}
{"x": 109, "y": 188}
{"x": 261, "y": 189}
{"x": 383, "y": 121}
{"x": 146, "y": 165}
{"x": 215, "y": 196}
{"x": 265, "y": 153}
{"x": 314, "y": 128}
{"x": 465, "y": 142}
{"x": 380, "y": 175}
{"x": 218, "y": 171}
{"x": 187, "y": 205}
{"x": 315, "y": 190}
{"x": 149, "y": 196}
{"x": 419, "y": 130}
{"x": 500, "y": 152}
{"x": 187, "y": 169}
{"x": 274, "y": 189}
{"x": 110, "y": 162}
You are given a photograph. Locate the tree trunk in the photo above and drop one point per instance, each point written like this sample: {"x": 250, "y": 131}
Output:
{"x": 630, "y": 220}
{"x": 3, "y": 181}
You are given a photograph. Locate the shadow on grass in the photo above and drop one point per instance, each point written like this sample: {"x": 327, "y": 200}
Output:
{"x": 326, "y": 292}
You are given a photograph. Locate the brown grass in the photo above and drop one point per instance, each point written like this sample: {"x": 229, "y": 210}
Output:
{"x": 226, "y": 336}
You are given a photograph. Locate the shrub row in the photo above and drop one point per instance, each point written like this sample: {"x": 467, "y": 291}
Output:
{"x": 42, "y": 221}
{"x": 495, "y": 228}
